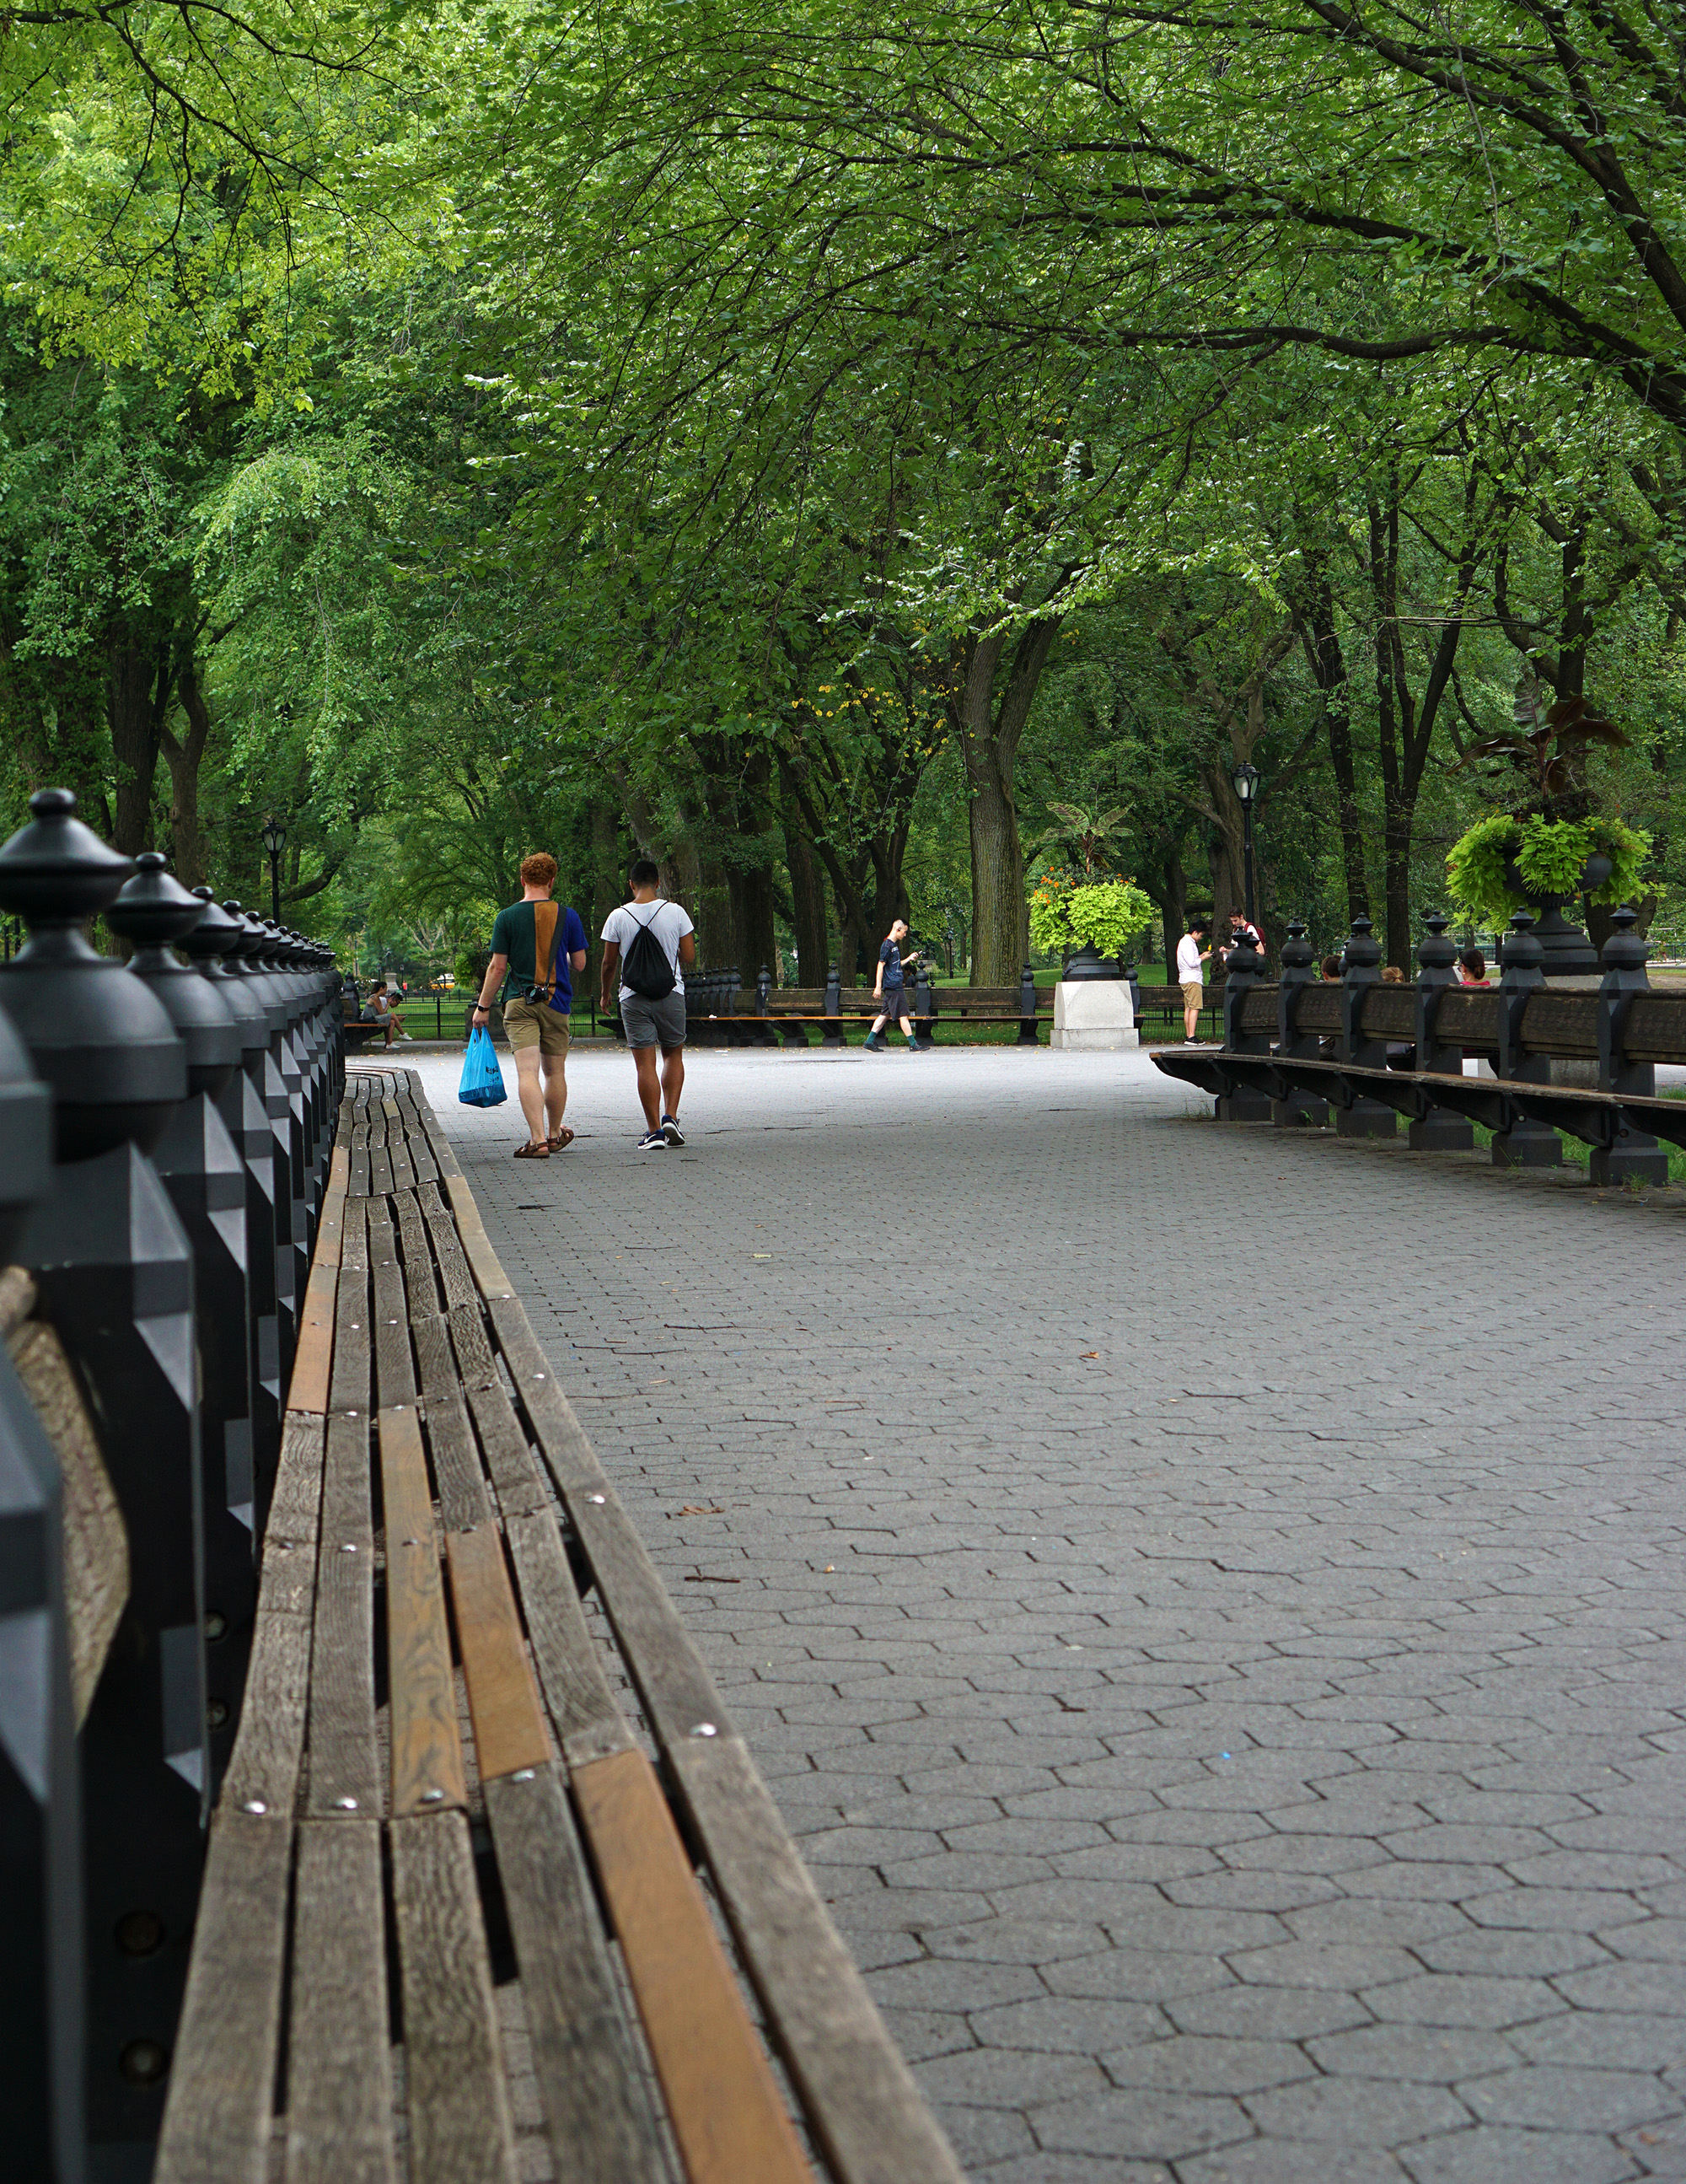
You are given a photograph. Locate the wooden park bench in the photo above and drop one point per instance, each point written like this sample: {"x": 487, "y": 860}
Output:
{"x": 719, "y": 1006}
{"x": 1363, "y": 1053}
{"x": 466, "y": 1812}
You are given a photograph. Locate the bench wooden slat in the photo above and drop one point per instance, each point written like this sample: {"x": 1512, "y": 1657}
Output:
{"x": 464, "y": 1502}
{"x": 468, "y": 1339}
{"x": 331, "y": 1220}
{"x": 588, "y": 1719}
{"x": 722, "y": 2099}
{"x": 269, "y": 1744}
{"x": 858, "y": 2094}
{"x": 358, "y": 1180}
{"x": 489, "y": 1276}
{"x": 344, "y": 1773}
{"x": 394, "y": 1368}
{"x": 404, "y": 1168}
{"x": 427, "y": 1754}
{"x": 421, "y": 1285}
{"x": 459, "y": 2127}
{"x": 339, "y": 2107}
{"x": 601, "y": 2124}
{"x": 216, "y": 2118}
{"x": 313, "y": 1356}
{"x": 455, "y": 1277}
{"x": 348, "y": 1382}
{"x": 504, "y": 1704}
{"x": 417, "y": 1143}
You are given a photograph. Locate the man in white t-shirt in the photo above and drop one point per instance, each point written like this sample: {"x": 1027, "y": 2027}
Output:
{"x": 1190, "y": 974}
{"x": 647, "y": 940}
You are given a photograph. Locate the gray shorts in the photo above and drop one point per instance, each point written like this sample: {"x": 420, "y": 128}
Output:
{"x": 654, "y": 1023}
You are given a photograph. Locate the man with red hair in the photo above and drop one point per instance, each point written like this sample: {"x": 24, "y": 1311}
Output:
{"x": 538, "y": 943}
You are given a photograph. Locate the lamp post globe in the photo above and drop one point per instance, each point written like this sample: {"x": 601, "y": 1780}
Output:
{"x": 275, "y": 841}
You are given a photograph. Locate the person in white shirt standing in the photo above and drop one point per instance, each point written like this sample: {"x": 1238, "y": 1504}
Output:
{"x": 648, "y": 939}
{"x": 1191, "y": 976}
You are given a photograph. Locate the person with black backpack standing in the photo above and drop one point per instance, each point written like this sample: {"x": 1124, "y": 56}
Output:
{"x": 647, "y": 940}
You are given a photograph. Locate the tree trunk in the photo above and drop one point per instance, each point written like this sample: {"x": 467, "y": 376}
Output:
{"x": 1328, "y": 667}
{"x": 750, "y": 877}
{"x": 1397, "y": 826}
{"x": 752, "y": 921}
{"x": 1174, "y": 908}
{"x": 136, "y": 691}
{"x": 183, "y": 757}
{"x": 851, "y": 935}
{"x": 988, "y": 734}
{"x": 807, "y": 892}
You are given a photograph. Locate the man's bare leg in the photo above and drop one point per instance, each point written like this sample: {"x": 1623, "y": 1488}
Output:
{"x": 649, "y": 1085}
{"x": 555, "y": 1067}
{"x": 672, "y": 1081}
{"x": 1191, "y": 1022}
{"x": 531, "y": 1098}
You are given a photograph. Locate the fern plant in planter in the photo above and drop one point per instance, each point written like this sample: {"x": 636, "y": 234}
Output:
{"x": 1552, "y": 847}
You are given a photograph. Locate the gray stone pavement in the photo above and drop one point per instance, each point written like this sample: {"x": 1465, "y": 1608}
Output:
{"x": 1208, "y": 1600}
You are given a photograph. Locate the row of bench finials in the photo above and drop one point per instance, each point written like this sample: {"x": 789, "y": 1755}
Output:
{"x": 1578, "y": 1056}
{"x": 253, "y": 1333}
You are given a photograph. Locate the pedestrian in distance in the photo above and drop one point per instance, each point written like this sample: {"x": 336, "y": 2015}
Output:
{"x": 889, "y": 989}
{"x": 652, "y": 942}
{"x": 538, "y": 944}
{"x": 1191, "y": 974}
{"x": 1332, "y": 970}
{"x": 1473, "y": 968}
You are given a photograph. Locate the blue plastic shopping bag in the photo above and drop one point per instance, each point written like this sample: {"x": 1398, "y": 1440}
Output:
{"x": 482, "y": 1085}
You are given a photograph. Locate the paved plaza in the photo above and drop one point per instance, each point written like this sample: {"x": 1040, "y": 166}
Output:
{"x": 1208, "y": 1600}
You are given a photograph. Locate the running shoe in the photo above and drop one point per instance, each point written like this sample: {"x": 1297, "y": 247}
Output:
{"x": 653, "y": 1142}
{"x": 671, "y": 1131}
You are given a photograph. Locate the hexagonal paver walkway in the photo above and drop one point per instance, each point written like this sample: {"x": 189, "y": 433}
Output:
{"x": 1209, "y": 1600}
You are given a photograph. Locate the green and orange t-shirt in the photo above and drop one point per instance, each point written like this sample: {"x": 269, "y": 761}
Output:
{"x": 539, "y": 938}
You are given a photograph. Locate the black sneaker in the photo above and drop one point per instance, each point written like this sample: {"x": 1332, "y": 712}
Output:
{"x": 872, "y": 1043}
{"x": 653, "y": 1142}
{"x": 671, "y": 1131}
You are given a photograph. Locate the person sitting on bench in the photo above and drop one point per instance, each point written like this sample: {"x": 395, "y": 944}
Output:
{"x": 378, "y": 1009}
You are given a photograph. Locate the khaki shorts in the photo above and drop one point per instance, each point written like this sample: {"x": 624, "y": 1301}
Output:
{"x": 532, "y": 1023}
{"x": 1194, "y": 997}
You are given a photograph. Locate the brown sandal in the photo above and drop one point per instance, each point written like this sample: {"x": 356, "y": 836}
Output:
{"x": 533, "y": 1152}
{"x": 560, "y": 1140}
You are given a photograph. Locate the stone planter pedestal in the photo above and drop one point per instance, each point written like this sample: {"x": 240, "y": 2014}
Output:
{"x": 1094, "y": 1015}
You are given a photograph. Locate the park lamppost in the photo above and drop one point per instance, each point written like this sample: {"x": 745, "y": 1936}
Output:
{"x": 1244, "y": 780}
{"x": 275, "y": 841}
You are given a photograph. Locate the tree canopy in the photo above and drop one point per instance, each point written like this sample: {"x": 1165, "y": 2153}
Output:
{"x": 812, "y": 446}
